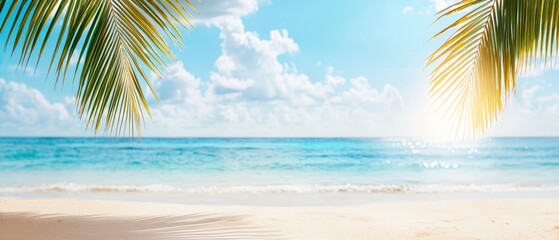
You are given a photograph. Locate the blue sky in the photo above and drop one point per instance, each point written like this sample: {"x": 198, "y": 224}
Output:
{"x": 288, "y": 68}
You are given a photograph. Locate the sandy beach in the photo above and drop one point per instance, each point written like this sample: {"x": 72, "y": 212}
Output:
{"x": 49, "y": 219}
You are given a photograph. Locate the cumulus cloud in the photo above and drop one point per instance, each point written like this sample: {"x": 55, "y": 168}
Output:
{"x": 217, "y": 10}
{"x": 532, "y": 112}
{"x": 26, "y": 111}
{"x": 248, "y": 64}
{"x": 252, "y": 93}
{"x": 178, "y": 84}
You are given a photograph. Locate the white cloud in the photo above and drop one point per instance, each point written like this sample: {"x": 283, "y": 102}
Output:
{"x": 252, "y": 93}
{"x": 251, "y": 62}
{"x": 218, "y": 10}
{"x": 407, "y": 9}
{"x": 224, "y": 84}
{"x": 177, "y": 85}
{"x": 533, "y": 113}
{"x": 25, "y": 111}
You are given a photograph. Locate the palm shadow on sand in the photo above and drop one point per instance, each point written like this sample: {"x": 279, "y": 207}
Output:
{"x": 26, "y": 226}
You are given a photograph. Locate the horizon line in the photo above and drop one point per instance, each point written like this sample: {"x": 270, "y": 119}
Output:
{"x": 269, "y": 137}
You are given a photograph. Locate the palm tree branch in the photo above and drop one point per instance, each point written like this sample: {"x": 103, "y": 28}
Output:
{"x": 475, "y": 71}
{"x": 115, "y": 42}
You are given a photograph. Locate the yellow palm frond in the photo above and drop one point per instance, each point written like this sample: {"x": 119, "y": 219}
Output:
{"x": 115, "y": 41}
{"x": 478, "y": 64}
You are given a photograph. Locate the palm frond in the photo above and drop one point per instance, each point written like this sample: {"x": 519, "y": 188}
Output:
{"x": 478, "y": 64}
{"x": 114, "y": 40}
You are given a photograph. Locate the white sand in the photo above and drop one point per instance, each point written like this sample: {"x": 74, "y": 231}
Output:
{"x": 46, "y": 219}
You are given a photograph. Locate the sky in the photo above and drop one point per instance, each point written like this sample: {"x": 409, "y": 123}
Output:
{"x": 287, "y": 68}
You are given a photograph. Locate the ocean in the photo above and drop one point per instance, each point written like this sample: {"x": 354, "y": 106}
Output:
{"x": 277, "y": 171}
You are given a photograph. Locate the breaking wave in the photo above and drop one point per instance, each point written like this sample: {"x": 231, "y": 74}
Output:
{"x": 278, "y": 189}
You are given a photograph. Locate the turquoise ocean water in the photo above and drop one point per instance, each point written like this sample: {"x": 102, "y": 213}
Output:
{"x": 277, "y": 171}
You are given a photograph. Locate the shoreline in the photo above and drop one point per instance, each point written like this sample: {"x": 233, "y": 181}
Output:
{"x": 450, "y": 219}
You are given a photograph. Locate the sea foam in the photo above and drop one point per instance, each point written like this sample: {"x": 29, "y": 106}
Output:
{"x": 279, "y": 189}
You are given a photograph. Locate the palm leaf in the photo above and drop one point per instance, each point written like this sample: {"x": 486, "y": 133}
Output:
{"x": 115, "y": 42}
{"x": 478, "y": 64}
{"x": 467, "y": 81}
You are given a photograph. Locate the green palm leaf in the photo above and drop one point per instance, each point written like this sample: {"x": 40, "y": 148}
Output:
{"x": 478, "y": 64}
{"x": 115, "y": 42}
